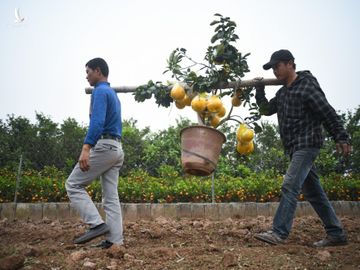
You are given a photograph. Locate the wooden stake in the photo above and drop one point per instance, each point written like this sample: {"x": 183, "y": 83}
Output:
{"x": 18, "y": 177}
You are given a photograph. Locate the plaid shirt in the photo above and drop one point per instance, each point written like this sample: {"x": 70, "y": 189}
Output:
{"x": 302, "y": 109}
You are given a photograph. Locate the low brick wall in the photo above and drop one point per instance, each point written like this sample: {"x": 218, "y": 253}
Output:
{"x": 148, "y": 211}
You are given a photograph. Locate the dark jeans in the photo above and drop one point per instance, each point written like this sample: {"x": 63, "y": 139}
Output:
{"x": 301, "y": 176}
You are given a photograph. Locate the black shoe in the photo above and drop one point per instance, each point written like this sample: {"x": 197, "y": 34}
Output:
{"x": 104, "y": 244}
{"x": 270, "y": 237}
{"x": 331, "y": 241}
{"x": 92, "y": 233}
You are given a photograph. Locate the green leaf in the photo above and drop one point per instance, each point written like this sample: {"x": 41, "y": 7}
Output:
{"x": 217, "y": 28}
{"x": 257, "y": 128}
{"x": 214, "y": 22}
{"x": 231, "y": 23}
{"x": 214, "y": 38}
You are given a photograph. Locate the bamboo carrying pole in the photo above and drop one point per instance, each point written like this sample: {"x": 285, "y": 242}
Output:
{"x": 236, "y": 84}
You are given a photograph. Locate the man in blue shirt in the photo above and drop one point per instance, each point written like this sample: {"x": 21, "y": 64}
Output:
{"x": 101, "y": 156}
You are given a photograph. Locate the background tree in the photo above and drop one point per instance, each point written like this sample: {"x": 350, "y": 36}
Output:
{"x": 18, "y": 136}
{"x": 329, "y": 160}
{"x": 163, "y": 148}
{"x": 4, "y": 145}
{"x": 71, "y": 139}
{"x": 46, "y": 143}
{"x": 46, "y": 150}
{"x": 134, "y": 143}
{"x": 353, "y": 127}
{"x": 269, "y": 154}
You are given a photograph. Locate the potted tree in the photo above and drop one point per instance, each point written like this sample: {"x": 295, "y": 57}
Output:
{"x": 202, "y": 85}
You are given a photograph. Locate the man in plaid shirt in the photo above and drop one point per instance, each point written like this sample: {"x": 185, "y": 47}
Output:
{"x": 302, "y": 109}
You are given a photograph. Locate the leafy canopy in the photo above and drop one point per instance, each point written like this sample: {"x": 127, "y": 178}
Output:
{"x": 222, "y": 64}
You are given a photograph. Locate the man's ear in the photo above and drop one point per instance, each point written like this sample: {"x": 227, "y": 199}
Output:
{"x": 291, "y": 63}
{"x": 98, "y": 70}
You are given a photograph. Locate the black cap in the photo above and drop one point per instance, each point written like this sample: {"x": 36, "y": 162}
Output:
{"x": 278, "y": 56}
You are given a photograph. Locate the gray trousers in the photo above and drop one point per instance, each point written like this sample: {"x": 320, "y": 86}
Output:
{"x": 106, "y": 159}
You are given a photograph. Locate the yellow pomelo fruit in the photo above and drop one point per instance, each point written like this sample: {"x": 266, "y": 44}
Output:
{"x": 198, "y": 104}
{"x": 214, "y": 121}
{"x": 245, "y": 148}
{"x": 251, "y": 147}
{"x": 242, "y": 148}
{"x": 214, "y": 104}
{"x": 186, "y": 100}
{"x": 179, "y": 104}
{"x": 240, "y": 131}
{"x": 235, "y": 101}
{"x": 221, "y": 112}
{"x": 177, "y": 92}
{"x": 247, "y": 135}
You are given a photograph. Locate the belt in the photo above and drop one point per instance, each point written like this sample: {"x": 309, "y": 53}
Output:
{"x": 107, "y": 136}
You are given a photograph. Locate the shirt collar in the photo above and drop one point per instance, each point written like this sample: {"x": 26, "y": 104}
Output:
{"x": 102, "y": 83}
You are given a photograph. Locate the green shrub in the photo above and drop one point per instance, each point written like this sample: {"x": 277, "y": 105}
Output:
{"x": 33, "y": 187}
{"x": 48, "y": 185}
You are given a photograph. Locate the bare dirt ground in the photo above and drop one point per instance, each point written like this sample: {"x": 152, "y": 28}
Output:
{"x": 175, "y": 244}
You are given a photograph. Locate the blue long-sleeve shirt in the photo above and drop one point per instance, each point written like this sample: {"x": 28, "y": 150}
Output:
{"x": 105, "y": 113}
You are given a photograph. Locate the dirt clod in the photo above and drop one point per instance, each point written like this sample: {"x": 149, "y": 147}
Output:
{"x": 77, "y": 255}
{"x": 323, "y": 255}
{"x": 116, "y": 252}
{"x": 229, "y": 259}
{"x": 12, "y": 262}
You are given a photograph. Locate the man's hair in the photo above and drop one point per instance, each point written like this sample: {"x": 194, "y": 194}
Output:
{"x": 99, "y": 63}
{"x": 292, "y": 62}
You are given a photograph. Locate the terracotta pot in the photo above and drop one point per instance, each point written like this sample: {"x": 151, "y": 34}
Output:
{"x": 200, "y": 149}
